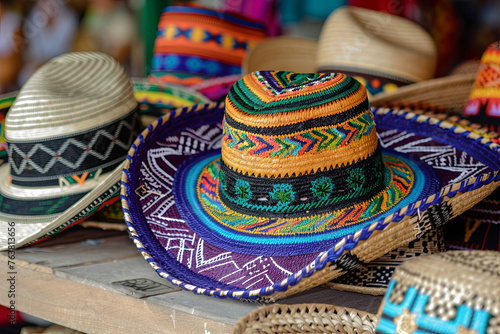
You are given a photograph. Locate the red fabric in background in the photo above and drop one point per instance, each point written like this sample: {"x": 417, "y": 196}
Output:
{"x": 263, "y": 11}
{"x": 5, "y": 319}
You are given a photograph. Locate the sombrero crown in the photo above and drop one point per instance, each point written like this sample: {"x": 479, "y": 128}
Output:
{"x": 55, "y": 104}
{"x": 298, "y": 152}
{"x": 67, "y": 133}
{"x": 288, "y": 150}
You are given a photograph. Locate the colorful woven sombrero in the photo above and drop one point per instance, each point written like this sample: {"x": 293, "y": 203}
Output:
{"x": 380, "y": 50}
{"x": 195, "y": 44}
{"x": 445, "y": 293}
{"x": 68, "y": 133}
{"x": 295, "y": 187}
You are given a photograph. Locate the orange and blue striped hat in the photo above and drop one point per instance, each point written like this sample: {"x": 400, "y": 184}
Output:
{"x": 194, "y": 44}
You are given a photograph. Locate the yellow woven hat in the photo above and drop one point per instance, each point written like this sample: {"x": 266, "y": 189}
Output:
{"x": 380, "y": 50}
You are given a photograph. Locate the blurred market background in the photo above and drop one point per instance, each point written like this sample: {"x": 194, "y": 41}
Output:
{"x": 34, "y": 31}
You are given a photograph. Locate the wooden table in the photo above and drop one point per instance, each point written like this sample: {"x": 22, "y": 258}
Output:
{"x": 96, "y": 281}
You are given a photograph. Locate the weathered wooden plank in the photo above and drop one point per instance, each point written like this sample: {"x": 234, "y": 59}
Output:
{"x": 95, "y": 310}
{"x": 133, "y": 277}
{"x": 227, "y": 311}
{"x": 129, "y": 277}
{"x": 87, "y": 251}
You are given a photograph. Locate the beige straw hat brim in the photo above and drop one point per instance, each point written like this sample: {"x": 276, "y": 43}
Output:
{"x": 447, "y": 93}
{"x": 306, "y": 318}
{"x": 29, "y": 229}
{"x": 282, "y": 54}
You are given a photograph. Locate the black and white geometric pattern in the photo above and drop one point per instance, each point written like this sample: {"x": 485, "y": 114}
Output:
{"x": 67, "y": 156}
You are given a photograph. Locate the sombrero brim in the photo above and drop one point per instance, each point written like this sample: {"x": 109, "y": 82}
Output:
{"x": 169, "y": 96}
{"x": 178, "y": 254}
{"x": 282, "y": 53}
{"x": 374, "y": 277}
{"x": 448, "y": 93}
{"x": 78, "y": 207}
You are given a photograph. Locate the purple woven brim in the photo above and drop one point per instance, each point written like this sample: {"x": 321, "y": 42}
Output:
{"x": 184, "y": 258}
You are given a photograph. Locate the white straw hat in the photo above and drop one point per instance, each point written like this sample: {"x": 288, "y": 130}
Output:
{"x": 68, "y": 133}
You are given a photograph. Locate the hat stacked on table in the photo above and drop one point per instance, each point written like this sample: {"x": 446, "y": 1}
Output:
{"x": 195, "y": 44}
{"x": 295, "y": 187}
{"x": 380, "y": 50}
{"x": 374, "y": 277}
{"x": 68, "y": 133}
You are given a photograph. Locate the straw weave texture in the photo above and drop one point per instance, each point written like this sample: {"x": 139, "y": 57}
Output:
{"x": 306, "y": 318}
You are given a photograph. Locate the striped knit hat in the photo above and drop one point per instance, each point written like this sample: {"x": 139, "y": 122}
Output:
{"x": 195, "y": 44}
{"x": 483, "y": 106}
{"x": 295, "y": 187}
{"x": 67, "y": 134}
{"x": 479, "y": 227}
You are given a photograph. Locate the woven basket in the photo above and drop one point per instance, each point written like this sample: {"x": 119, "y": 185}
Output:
{"x": 307, "y": 318}
{"x": 448, "y": 93}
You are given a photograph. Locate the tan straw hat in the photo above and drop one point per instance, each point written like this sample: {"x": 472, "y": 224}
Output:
{"x": 306, "y": 318}
{"x": 448, "y": 93}
{"x": 359, "y": 40}
{"x": 282, "y": 53}
{"x": 382, "y": 51}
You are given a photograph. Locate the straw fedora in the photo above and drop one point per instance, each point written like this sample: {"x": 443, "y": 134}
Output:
{"x": 304, "y": 191}
{"x": 380, "y": 50}
{"x": 195, "y": 44}
{"x": 450, "y": 292}
{"x": 68, "y": 133}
